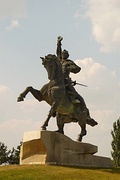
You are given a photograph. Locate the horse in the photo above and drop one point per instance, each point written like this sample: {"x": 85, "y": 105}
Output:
{"x": 54, "y": 93}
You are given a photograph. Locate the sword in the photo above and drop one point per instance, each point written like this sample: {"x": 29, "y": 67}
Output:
{"x": 74, "y": 83}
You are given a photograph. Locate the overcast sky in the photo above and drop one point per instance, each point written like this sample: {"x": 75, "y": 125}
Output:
{"x": 91, "y": 34}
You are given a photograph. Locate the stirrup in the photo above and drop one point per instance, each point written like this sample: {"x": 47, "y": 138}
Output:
{"x": 75, "y": 101}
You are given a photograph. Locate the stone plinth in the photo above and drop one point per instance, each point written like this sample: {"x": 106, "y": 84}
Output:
{"x": 46, "y": 147}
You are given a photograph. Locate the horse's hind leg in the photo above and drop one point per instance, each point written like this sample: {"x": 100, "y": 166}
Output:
{"x": 83, "y": 131}
{"x": 36, "y": 93}
{"x": 52, "y": 112}
{"x": 60, "y": 123}
{"x": 82, "y": 123}
{"x": 43, "y": 127}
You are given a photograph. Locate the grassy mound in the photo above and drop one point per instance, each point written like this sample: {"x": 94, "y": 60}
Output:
{"x": 46, "y": 172}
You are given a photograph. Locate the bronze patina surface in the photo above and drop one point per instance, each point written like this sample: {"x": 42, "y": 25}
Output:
{"x": 66, "y": 103}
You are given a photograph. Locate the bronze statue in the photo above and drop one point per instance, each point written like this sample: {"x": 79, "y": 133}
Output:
{"x": 58, "y": 95}
{"x": 68, "y": 66}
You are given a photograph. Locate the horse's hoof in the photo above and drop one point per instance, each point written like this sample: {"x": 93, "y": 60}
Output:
{"x": 43, "y": 128}
{"x": 79, "y": 139}
{"x": 62, "y": 132}
{"x": 20, "y": 99}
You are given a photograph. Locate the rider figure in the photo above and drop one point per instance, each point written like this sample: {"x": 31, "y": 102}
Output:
{"x": 68, "y": 66}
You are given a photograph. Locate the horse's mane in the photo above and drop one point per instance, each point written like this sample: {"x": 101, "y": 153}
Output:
{"x": 57, "y": 62}
{"x": 53, "y": 57}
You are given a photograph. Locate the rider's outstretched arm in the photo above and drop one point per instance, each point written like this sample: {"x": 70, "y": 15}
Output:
{"x": 59, "y": 49}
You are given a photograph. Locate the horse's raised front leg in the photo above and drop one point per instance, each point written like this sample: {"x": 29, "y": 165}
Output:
{"x": 36, "y": 93}
{"x": 83, "y": 132}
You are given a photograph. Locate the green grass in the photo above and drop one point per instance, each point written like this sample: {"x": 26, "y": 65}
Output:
{"x": 47, "y": 172}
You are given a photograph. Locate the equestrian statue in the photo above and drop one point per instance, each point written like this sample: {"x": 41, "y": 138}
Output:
{"x": 66, "y": 104}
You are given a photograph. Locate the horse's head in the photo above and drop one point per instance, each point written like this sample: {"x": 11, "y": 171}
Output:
{"x": 52, "y": 65}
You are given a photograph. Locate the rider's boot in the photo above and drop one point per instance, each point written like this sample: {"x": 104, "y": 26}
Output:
{"x": 73, "y": 98}
{"x": 75, "y": 101}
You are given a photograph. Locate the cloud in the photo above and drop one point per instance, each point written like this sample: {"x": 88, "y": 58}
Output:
{"x": 5, "y": 94}
{"x": 104, "y": 16}
{"x": 89, "y": 68}
{"x": 13, "y": 8}
{"x": 3, "y": 89}
{"x": 31, "y": 105}
{"x": 103, "y": 86}
{"x": 14, "y": 25}
{"x": 102, "y": 98}
{"x": 14, "y": 129}
{"x": 102, "y": 94}
{"x": 6, "y": 102}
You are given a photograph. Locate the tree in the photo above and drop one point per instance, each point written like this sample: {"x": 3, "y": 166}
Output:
{"x": 3, "y": 153}
{"x": 116, "y": 143}
{"x": 14, "y": 155}
{"x": 11, "y": 156}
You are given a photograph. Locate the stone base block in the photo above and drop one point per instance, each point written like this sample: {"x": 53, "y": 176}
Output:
{"x": 47, "y": 147}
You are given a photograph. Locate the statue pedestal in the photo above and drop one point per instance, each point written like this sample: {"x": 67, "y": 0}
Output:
{"x": 47, "y": 147}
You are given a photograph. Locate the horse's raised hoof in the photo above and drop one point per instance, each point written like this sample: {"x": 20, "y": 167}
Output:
{"x": 20, "y": 98}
